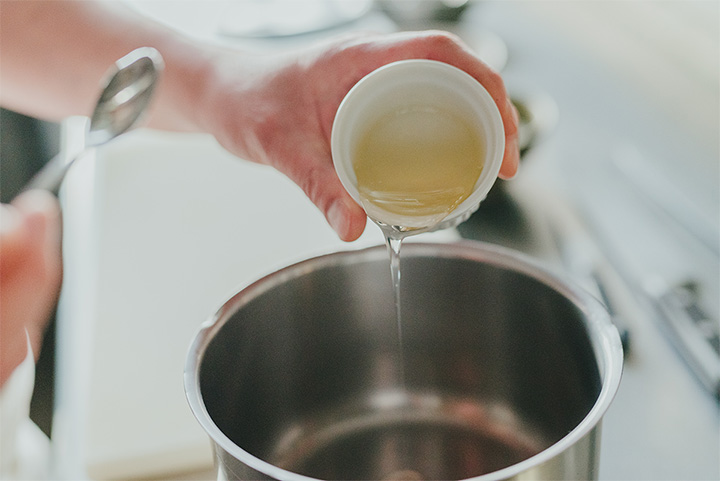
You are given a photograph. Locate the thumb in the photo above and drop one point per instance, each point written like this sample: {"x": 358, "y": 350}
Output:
{"x": 30, "y": 273}
{"x": 326, "y": 191}
{"x": 318, "y": 179}
{"x": 346, "y": 217}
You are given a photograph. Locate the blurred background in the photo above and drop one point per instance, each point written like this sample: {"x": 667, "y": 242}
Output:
{"x": 619, "y": 188}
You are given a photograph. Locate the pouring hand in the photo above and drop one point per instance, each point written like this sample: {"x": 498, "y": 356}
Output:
{"x": 273, "y": 109}
{"x": 278, "y": 110}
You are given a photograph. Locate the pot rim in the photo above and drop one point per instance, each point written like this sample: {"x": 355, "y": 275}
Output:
{"x": 604, "y": 338}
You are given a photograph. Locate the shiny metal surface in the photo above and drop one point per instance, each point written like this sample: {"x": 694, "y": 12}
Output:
{"x": 126, "y": 96}
{"x": 505, "y": 371}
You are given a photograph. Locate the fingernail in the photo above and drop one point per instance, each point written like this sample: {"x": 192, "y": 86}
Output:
{"x": 337, "y": 218}
{"x": 9, "y": 219}
{"x": 511, "y": 152}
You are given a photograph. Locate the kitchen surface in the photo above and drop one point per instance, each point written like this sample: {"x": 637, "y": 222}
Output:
{"x": 619, "y": 188}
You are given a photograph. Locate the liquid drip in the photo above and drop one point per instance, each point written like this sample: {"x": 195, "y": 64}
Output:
{"x": 394, "y": 242}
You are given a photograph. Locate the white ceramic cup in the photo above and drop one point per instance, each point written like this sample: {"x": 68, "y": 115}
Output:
{"x": 411, "y": 83}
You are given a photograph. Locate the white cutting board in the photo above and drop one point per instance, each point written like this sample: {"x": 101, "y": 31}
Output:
{"x": 176, "y": 226}
{"x": 160, "y": 229}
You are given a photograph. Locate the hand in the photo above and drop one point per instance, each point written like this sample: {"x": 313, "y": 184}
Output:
{"x": 30, "y": 273}
{"x": 273, "y": 109}
{"x": 278, "y": 110}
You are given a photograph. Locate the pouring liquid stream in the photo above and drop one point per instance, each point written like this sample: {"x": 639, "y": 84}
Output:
{"x": 413, "y": 168}
{"x": 394, "y": 244}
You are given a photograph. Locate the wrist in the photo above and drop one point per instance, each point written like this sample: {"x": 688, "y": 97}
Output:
{"x": 235, "y": 106}
{"x": 182, "y": 92}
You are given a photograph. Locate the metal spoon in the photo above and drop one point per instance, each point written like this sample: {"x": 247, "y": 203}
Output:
{"x": 127, "y": 93}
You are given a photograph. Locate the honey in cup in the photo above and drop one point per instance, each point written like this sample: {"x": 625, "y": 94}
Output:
{"x": 417, "y": 143}
{"x": 417, "y": 163}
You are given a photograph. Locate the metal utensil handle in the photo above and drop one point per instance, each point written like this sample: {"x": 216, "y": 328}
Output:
{"x": 50, "y": 177}
{"x": 693, "y": 332}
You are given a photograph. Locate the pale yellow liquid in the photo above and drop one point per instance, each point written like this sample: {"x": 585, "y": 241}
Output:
{"x": 413, "y": 168}
{"x": 416, "y": 165}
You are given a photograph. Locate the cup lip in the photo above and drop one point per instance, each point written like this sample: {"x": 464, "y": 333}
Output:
{"x": 417, "y": 70}
{"x": 605, "y": 341}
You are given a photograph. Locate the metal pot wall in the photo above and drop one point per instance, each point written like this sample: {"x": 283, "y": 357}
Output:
{"x": 505, "y": 370}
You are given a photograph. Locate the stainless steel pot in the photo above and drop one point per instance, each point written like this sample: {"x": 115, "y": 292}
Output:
{"x": 505, "y": 371}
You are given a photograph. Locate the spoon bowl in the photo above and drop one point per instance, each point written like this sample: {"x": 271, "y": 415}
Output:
{"x": 121, "y": 105}
{"x": 126, "y": 96}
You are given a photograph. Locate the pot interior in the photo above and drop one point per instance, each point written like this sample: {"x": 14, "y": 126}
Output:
{"x": 309, "y": 372}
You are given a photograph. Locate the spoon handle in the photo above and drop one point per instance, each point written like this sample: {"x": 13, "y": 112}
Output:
{"x": 50, "y": 177}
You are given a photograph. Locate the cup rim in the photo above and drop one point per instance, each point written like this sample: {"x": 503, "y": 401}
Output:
{"x": 419, "y": 70}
